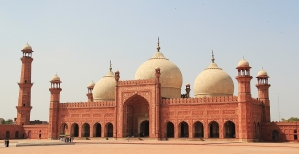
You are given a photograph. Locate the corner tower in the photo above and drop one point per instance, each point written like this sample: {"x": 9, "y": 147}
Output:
{"x": 244, "y": 102}
{"x": 24, "y": 103}
{"x": 263, "y": 93}
{"x": 54, "y": 107}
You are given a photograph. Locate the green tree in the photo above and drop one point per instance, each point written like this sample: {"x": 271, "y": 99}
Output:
{"x": 8, "y": 121}
{"x": 292, "y": 119}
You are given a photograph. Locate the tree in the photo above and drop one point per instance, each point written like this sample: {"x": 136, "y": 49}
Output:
{"x": 292, "y": 119}
{"x": 8, "y": 121}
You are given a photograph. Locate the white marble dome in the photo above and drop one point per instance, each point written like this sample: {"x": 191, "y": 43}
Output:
{"x": 213, "y": 81}
{"x": 243, "y": 63}
{"x": 27, "y": 47}
{"x": 171, "y": 77}
{"x": 104, "y": 89}
{"x": 91, "y": 84}
{"x": 261, "y": 73}
{"x": 55, "y": 78}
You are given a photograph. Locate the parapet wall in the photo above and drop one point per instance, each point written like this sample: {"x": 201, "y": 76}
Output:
{"x": 87, "y": 104}
{"x": 200, "y": 100}
{"x": 136, "y": 82}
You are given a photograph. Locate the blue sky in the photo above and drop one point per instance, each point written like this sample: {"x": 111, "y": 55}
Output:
{"x": 76, "y": 40}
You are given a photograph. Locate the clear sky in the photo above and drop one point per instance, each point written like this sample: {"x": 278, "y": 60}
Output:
{"x": 76, "y": 40}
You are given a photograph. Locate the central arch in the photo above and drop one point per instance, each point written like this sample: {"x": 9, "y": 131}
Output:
{"x": 135, "y": 112}
{"x": 230, "y": 129}
{"x": 214, "y": 129}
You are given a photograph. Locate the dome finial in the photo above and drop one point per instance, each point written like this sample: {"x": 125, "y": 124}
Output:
{"x": 213, "y": 59}
{"x": 110, "y": 68}
{"x": 158, "y": 47}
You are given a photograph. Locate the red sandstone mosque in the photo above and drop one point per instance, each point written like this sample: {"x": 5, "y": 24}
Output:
{"x": 152, "y": 106}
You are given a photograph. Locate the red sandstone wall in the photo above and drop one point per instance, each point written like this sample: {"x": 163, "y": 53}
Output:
{"x": 204, "y": 112}
{"x": 286, "y": 131}
{"x": 89, "y": 113}
{"x": 36, "y": 131}
{"x": 12, "y": 129}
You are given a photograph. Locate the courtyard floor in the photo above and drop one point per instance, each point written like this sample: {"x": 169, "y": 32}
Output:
{"x": 122, "y": 146}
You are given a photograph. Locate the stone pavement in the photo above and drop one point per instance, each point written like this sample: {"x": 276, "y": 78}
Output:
{"x": 151, "y": 146}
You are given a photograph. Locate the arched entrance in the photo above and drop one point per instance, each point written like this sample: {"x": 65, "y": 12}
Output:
{"x": 109, "y": 130}
{"x": 85, "y": 130}
{"x": 135, "y": 111}
{"x": 144, "y": 128}
{"x": 75, "y": 130}
{"x": 198, "y": 130}
{"x": 16, "y": 134}
{"x": 169, "y": 130}
{"x": 183, "y": 129}
{"x": 7, "y": 135}
{"x": 97, "y": 130}
{"x": 229, "y": 130}
{"x": 63, "y": 129}
{"x": 214, "y": 129}
{"x": 275, "y": 135}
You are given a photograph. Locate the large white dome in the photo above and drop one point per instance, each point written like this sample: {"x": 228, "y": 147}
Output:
{"x": 213, "y": 81}
{"x": 104, "y": 89}
{"x": 171, "y": 77}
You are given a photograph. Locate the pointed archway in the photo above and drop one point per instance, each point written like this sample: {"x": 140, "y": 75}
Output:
{"x": 169, "y": 130}
{"x": 97, "y": 130}
{"x": 214, "y": 129}
{"x": 109, "y": 130}
{"x": 229, "y": 130}
{"x": 16, "y": 134}
{"x": 144, "y": 129}
{"x": 85, "y": 130}
{"x": 275, "y": 135}
{"x": 7, "y": 135}
{"x": 135, "y": 111}
{"x": 183, "y": 130}
{"x": 63, "y": 129}
{"x": 198, "y": 130}
{"x": 75, "y": 130}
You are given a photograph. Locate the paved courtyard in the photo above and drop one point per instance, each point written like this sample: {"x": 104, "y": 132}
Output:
{"x": 152, "y": 146}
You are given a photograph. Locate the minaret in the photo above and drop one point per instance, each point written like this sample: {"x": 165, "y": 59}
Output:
{"x": 89, "y": 93}
{"x": 24, "y": 103}
{"x": 244, "y": 100}
{"x": 263, "y": 93}
{"x": 244, "y": 78}
{"x": 54, "y": 107}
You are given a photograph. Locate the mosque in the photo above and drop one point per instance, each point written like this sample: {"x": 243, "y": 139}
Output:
{"x": 152, "y": 106}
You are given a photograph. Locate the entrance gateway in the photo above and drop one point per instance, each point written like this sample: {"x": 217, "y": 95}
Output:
{"x": 136, "y": 117}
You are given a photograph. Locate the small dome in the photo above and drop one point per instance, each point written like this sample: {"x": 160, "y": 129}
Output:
{"x": 27, "y": 47}
{"x": 104, "y": 89}
{"x": 262, "y": 72}
{"x": 213, "y": 81}
{"x": 243, "y": 63}
{"x": 55, "y": 78}
{"x": 91, "y": 84}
